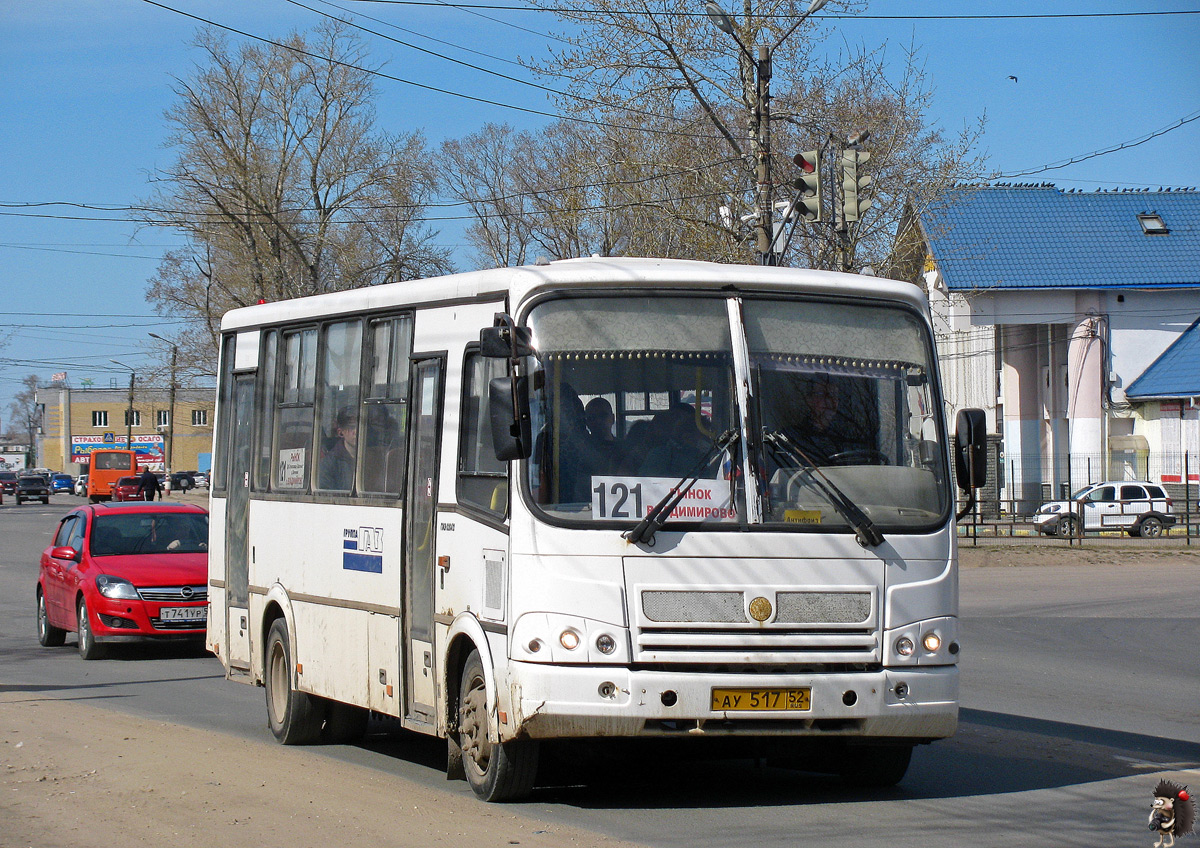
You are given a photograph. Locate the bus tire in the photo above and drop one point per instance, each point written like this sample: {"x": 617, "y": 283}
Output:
{"x": 295, "y": 718}
{"x": 89, "y": 648}
{"x": 345, "y": 724}
{"x": 502, "y": 771}
{"x": 49, "y": 636}
{"x": 875, "y": 766}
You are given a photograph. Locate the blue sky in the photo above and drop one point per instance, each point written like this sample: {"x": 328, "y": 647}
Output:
{"x": 84, "y": 83}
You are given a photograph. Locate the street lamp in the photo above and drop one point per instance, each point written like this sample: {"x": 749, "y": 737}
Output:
{"x": 171, "y": 403}
{"x": 761, "y": 142}
{"x": 129, "y": 412}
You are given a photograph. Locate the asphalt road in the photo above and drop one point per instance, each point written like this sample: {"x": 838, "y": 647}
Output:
{"x": 1080, "y": 689}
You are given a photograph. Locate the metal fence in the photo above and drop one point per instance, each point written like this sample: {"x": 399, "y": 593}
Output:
{"x": 1018, "y": 485}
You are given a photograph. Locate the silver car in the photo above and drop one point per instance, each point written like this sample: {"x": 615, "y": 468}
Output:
{"x": 1133, "y": 506}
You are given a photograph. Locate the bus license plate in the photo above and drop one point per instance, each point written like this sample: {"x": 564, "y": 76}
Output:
{"x": 736, "y": 700}
{"x": 183, "y": 614}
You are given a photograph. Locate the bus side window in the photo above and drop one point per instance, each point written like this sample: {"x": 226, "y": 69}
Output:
{"x": 338, "y": 451}
{"x": 482, "y": 479}
{"x": 384, "y": 416}
{"x": 294, "y": 416}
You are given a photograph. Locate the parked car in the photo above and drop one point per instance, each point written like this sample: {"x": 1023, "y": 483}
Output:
{"x": 182, "y": 481}
{"x": 8, "y": 482}
{"x": 201, "y": 479}
{"x": 81, "y": 485}
{"x": 1137, "y": 507}
{"x": 33, "y": 487}
{"x": 127, "y": 489}
{"x": 121, "y": 572}
{"x": 61, "y": 483}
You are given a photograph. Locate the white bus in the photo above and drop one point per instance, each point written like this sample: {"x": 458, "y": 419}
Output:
{"x": 593, "y": 498}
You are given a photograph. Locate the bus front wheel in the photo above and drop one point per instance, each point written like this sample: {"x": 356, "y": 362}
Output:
{"x": 496, "y": 771}
{"x": 875, "y": 766}
{"x": 295, "y": 717}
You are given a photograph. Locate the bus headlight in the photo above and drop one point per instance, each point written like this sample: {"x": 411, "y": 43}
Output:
{"x": 931, "y": 642}
{"x": 569, "y": 639}
{"x": 905, "y": 646}
{"x": 557, "y": 638}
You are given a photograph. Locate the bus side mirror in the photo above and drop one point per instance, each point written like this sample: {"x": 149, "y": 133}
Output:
{"x": 970, "y": 449}
{"x": 508, "y": 409}
{"x": 506, "y": 340}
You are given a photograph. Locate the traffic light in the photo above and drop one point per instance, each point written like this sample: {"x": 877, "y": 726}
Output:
{"x": 809, "y": 185}
{"x": 855, "y": 189}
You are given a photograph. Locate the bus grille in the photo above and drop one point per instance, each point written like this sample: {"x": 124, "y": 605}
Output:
{"x": 808, "y": 628}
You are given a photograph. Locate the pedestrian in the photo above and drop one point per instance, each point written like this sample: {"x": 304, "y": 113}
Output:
{"x": 148, "y": 485}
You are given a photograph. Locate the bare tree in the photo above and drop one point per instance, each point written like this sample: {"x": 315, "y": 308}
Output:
{"x": 667, "y": 100}
{"x": 26, "y": 415}
{"x": 283, "y": 185}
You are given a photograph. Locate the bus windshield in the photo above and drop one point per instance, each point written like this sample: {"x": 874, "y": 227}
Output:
{"x": 629, "y": 397}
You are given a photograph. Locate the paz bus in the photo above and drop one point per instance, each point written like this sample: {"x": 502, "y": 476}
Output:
{"x": 105, "y": 467}
{"x": 584, "y": 499}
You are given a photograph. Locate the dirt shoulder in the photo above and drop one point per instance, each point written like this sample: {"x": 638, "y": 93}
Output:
{"x": 75, "y": 774}
{"x": 1095, "y": 553}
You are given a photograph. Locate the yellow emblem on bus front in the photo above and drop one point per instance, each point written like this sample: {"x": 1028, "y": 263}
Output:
{"x": 760, "y": 609}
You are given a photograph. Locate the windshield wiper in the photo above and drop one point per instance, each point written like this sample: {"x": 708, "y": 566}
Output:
{"x": 865, "y": 531}
{"x": 645, "y": 529}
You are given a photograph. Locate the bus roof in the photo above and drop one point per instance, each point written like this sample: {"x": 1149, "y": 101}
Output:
{"x": 610, "y": 272}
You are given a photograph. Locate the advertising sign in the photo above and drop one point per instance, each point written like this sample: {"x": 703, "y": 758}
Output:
{"x": 150, "y": 450}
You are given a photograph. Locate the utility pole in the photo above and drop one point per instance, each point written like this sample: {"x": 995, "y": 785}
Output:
{"x": 171, "y": 406}
{"x": 764, "y": 228}
{"x": 760, "y": 125}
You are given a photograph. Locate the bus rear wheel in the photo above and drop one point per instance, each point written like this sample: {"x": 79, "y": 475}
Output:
{"x": 496, "y": 771}
{"x": 295, "y": 718}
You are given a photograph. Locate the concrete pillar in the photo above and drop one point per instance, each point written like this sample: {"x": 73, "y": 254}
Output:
{"x": 1085, "y": 411}
{"x": 1022, "y": 415}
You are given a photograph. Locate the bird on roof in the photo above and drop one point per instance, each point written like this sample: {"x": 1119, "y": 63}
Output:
{"x": 1011, "y": 77}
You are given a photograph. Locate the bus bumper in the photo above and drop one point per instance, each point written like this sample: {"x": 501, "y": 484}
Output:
{"x": 546, "y": 702}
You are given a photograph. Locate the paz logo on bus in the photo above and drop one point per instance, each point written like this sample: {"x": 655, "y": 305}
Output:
{"x": 362, "y": 549}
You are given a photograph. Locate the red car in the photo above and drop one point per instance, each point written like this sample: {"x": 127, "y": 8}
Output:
{"x": 127, "y": 489}
{"x": 122, "y": 572}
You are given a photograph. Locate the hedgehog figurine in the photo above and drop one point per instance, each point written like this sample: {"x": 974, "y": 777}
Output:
{"x": 1172, "y": 814}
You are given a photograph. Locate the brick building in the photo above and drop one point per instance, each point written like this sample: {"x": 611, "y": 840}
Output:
{"x": 77, "y": 421}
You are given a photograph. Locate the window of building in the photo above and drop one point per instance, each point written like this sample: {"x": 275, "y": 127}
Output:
{"x": 133, "y": 417}
{"x": 162, "y": 417}
{"x": 1153, "y": 224}
{"x": 99, "y": 417}
{"x": 199, "y": 417}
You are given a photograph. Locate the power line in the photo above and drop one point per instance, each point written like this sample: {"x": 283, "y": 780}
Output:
{"x": 1125, "y": 145}
{"x": 445, "y": 91}
{"x": 585, "y": 10}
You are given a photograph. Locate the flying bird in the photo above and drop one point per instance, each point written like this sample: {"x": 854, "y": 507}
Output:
{"x": 1011, "y": 77}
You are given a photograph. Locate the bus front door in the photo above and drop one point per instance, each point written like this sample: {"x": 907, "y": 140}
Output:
{"x": 420, "y": 530}
{"x": 237, "y": 553}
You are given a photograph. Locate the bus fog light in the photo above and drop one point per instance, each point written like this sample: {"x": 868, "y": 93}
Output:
{"x": 605, "y": 644}
{"x": 901, "y": 691}
{"x": 931, "y": 642}
{"x": 905, "y": 646}
{"x": 569, "y": 639}
{"x": 607, "y": 690}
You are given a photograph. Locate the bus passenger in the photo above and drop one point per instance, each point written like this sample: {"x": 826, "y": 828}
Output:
{"x": 599, "y": 419}
{"x": 337, "y": 463}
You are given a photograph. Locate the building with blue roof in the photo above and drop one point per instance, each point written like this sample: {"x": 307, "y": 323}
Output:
{"x": 1071, "y": 317}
